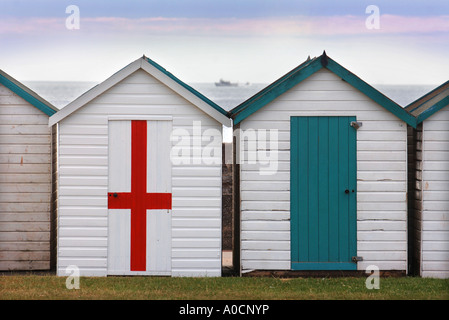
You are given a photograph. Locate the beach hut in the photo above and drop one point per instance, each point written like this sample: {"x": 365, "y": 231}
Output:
{"x": 25, "y": 178}
{"x": 322, "y": 174}
{"x": 139, "y": 169}
{"x": 429, "y": 192}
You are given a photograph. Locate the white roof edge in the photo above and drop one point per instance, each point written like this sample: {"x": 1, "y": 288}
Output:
{"x": 94, "y": 92}
{"x": 140, "y": 63}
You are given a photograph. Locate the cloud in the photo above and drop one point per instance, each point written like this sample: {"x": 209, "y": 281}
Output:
{"x": 31, "y": 26}
{"x": 286, "y": 26}
{"x": 417, "y": 25}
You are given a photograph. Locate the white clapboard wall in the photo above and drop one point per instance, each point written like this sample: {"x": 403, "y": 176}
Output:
{"x": 381, "y": 177}
{"x": 434, "y": 213}
{"x": 83, "y": 181}
{"x": 25, "y": 184}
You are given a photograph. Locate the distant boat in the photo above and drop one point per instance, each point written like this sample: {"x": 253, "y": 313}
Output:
{"x": 224, "y": 83}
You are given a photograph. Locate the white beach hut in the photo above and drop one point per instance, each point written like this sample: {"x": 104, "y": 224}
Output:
{"x": 25, "y": 178}
{"x": 322, "y": 177}
{"x": 139, "y": 168}
{"x": 429, "y": 212}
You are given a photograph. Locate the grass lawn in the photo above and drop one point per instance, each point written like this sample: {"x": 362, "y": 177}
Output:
{"x": 31, "y": 287}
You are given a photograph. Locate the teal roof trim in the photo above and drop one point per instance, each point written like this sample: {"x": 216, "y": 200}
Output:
{"x": 433, "y": 109}
{"x": 26, "y": 94}
{"x": 302, "y": 72}
{"x": 371, "y": 92}
{"x": 420, "y": 109}
{"x": 274, "y": 90}
{"x": 186, "y": 86}
{"x": 420, "y": 101}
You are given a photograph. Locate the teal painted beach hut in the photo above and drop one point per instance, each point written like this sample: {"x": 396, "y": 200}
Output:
{"x": 321, "y": 174}
{"x": 25, "y": 178}
{"x": 429, "y": 192}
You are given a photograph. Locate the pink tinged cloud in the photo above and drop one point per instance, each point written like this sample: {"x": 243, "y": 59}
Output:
{"x": 287, "y": 26}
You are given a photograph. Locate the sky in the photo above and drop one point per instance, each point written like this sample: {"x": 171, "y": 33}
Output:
{"x": 257, "y": 41}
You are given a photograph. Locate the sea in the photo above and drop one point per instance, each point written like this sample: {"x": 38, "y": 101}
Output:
{"x": 62, "y": 93}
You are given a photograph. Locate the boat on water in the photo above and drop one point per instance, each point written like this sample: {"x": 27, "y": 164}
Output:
{"x": 224, "y": 83}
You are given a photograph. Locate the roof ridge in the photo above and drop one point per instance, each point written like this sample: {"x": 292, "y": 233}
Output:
{"x": 186, "y": 86}
{"x": 274, "y": 84}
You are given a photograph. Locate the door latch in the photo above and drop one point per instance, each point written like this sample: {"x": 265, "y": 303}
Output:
{"x": 356, "y": 125}
{"x": 357, "y": 259}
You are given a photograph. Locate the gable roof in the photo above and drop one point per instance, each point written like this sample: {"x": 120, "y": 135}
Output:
{"x": 303, "y": 71}
{"x": 27, "y": 94}
{"x": 158, "y": 72}
{"x": 430, "y": 103}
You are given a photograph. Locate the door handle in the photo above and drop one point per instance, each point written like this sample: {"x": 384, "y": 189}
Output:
{"x": 347, "y": 191}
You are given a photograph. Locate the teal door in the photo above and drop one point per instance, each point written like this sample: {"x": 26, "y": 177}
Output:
{"x": 323, "y": 193}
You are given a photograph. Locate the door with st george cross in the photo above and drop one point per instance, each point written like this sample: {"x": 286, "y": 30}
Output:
{"x": 139, "y": 197}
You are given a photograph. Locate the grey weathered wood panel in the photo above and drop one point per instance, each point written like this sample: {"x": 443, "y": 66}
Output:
{"x": 25, "y": 184}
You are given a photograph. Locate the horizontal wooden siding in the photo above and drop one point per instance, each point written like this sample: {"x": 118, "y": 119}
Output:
{"x": 435, "y": 196}
{"x": 25, "y": 184}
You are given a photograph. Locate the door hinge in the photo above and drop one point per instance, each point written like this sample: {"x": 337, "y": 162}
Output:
{"x": 357, "y": 259}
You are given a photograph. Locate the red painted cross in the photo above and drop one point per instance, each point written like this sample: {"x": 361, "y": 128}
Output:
{"x": 138, "y": 200}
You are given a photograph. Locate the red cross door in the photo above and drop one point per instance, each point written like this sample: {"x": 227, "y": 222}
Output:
{"x": 138, "y": 200}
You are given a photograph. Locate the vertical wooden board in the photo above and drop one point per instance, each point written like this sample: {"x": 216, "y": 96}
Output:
{"x": 119, "y": 241}
{"x": 294, "y": 193}
{"x": 159, "y": 181}
{"x": 343, "y": 185}
{"x": 334, "y": 196}
{"x": 158, "y": 156}
{"x": 158, "y": 241}
{"x": 119, "y": 180}
{"x": 139, "y": 145}
{"x": 352, "y": 164}
{"x": 303, "y": 181}
{"x": 313, "y": 189}
{"x": 323, "y": 190}
{"x": 119, "y": 156}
